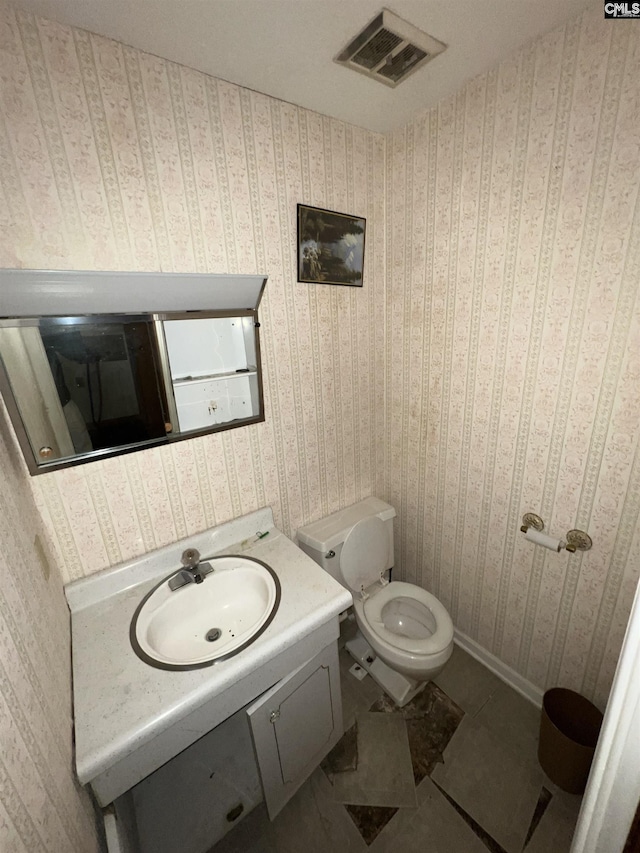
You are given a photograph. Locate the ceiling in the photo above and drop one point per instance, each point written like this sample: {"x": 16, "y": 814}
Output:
{"x": 285, "y": 48}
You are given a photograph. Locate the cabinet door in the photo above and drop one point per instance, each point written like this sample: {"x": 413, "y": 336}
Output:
{"x": 295, "y": 724}
{"x": 189, "y": 803}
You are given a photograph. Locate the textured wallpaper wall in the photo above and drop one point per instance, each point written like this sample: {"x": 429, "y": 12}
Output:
{"x": 114, "y": 159}
{"x": 489, "y": 366}
{"x": 41, "y": 805}
{"x": 513, "y": 350}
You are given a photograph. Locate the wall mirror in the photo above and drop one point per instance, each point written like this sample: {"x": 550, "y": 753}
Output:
{"x": 85, "y": 386}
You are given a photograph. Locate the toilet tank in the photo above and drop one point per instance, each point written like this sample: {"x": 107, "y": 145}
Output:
{"x": 320, "y": 538}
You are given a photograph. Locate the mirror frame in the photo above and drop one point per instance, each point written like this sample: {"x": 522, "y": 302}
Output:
{"x": 28, "y": 297}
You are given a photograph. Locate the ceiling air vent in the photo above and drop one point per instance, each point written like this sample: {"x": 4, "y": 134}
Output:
{"x": 389, "y": 49}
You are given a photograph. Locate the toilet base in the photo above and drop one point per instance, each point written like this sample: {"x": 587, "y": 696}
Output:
{"x": 400, "y": 688}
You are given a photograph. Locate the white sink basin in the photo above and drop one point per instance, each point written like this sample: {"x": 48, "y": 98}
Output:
{"x": 199, "y": 623}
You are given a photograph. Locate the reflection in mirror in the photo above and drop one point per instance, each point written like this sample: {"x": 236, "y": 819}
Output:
{"x": 105, "y": 378}
{"x": 81, "y": 387}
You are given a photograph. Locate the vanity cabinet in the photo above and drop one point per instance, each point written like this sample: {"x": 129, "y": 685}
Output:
{"x": 294, "y": 725}
{"x": 184, "y": 755}
{"x": 264, "y": 751}
{"x": 194, "y": 799}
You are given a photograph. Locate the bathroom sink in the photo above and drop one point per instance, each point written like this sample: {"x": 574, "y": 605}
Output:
{"x": 197, "y": 624}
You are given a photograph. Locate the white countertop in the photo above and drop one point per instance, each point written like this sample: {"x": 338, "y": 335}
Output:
{"x": 131, "y": 717}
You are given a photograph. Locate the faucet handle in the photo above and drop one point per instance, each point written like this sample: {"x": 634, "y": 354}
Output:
{"x": 190, "y": 558}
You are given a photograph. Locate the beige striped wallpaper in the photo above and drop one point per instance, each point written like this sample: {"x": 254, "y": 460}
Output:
{"x": 113, "y": 159}
{"x": 42, "y": 807}
{"x": 119, "y": 160}
{"x": 489, "y": 366}
{"x": 513, "y": 350}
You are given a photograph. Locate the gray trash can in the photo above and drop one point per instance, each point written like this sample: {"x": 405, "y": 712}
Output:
{"x": 569, "y": 729}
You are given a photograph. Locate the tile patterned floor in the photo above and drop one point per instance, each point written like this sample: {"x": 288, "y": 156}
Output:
{"x": 455, "y": 771}
{"x": 383, "y": 775}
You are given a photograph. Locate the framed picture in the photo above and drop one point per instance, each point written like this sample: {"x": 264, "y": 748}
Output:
{"x": 330, "y": 247}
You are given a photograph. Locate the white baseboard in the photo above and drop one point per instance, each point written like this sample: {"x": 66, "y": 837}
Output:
{"x": 505, "y": 673}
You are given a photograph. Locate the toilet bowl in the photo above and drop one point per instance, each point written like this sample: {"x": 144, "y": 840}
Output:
{"x": 405, "y": 634}
{"x": 408, "y": 628}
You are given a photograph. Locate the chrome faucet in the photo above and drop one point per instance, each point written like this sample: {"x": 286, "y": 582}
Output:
{"x": 192, "y": 571}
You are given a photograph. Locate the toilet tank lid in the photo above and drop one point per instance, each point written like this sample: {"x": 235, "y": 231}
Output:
{"x": 329, "y": 532}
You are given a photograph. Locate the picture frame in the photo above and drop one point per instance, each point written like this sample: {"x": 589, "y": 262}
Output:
{"x": 330, "y": 247}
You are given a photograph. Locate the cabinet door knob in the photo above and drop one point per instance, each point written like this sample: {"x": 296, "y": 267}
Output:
{"x": 45, "y": 452}
{"x": 273, "y": 716}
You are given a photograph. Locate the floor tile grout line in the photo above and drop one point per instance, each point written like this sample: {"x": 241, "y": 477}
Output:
{"x": 482, "y": 707}
{"x": 479, "y": 831}
{"x": 538, "y": 814}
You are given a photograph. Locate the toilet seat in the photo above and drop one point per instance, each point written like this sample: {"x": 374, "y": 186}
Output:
{"x": 371, "y": 610}
{"x": 364, "y": 557}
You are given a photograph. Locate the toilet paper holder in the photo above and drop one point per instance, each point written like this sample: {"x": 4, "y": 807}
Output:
{"x": 530, "y": 519}
{"x": 575, "y": 540}
{"x": 578, "y": 540}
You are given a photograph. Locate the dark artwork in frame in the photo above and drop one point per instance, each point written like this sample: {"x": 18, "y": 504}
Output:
{"x": 330, "y": 247}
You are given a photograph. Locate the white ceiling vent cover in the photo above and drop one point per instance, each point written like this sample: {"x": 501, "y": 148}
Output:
{"x": 389, "y": 49}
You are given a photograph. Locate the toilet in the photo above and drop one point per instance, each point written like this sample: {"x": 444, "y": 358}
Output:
{"x": 405, "y": 634}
